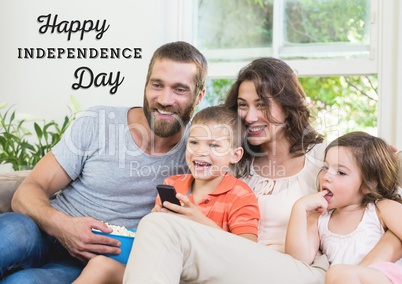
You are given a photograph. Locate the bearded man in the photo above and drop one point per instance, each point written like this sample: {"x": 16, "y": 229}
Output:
{"x": 104, "y": 169}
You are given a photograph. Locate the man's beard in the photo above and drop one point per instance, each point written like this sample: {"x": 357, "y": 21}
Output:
{"x": 167, "y": 128}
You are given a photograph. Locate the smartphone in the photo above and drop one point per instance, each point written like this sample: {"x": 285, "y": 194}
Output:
{"x": 167, "y": 193}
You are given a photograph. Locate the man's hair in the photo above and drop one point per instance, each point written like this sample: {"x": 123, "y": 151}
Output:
{"x": 182, "y": 52}
{"x": 223, "y": 116}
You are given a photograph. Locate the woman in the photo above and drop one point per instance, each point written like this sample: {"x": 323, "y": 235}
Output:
{"x": 286, "y": 155}
{"x": 286, "y": 150}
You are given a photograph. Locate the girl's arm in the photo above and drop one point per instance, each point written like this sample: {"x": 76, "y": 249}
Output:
{"x": 302, "y": 239}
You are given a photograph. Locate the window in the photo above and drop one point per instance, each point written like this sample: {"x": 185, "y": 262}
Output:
{"x": 234, "y": 30}
{"x": 330, "y": 44}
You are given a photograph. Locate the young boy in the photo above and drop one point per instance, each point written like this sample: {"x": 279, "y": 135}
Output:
{"x": 209, "y": 195}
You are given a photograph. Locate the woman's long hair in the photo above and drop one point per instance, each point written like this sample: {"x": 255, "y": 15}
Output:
{"x": 273, "y": 78}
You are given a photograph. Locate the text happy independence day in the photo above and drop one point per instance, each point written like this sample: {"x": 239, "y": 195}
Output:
{"x": 86, "y": 77}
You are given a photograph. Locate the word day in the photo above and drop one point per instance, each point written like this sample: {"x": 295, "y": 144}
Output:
{"x": 87, "y": 78}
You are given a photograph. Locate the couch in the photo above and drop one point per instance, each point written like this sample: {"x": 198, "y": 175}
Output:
{"x": 9, "y": 182}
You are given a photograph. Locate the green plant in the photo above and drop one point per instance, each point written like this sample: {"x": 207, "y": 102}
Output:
{"x": 23, "y": 148}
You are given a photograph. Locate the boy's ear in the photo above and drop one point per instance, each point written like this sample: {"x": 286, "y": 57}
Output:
{"x": 237, "y": 154}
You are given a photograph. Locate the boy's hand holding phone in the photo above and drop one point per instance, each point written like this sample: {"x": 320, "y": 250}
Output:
{"x": 167, "y": 193}
{"x": 187, "y": 209}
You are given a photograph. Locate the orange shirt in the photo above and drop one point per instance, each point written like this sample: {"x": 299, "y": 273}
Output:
{"x": 232, "y": 205}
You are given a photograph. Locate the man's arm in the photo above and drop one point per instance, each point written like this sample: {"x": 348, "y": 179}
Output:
{"x": 32, "y": 199}
{"x": 32, "y": 196}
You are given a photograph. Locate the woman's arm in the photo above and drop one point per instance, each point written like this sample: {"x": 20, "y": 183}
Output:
{"x": 389, "y": 248}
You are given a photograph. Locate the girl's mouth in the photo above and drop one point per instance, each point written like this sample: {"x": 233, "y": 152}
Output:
{"x": 328, "y": 196}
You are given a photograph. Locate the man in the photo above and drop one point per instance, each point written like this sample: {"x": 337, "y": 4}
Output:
{"x": 104, "y": 169}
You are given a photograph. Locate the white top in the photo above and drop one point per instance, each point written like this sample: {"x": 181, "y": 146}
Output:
{"x": 277, "y": 196}
{"x": 350, "y": 248}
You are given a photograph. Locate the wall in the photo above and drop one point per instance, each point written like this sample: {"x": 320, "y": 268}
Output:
{"x": 41, "y": 88}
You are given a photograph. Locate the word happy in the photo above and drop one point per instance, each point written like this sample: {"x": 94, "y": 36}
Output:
{"x": 70, "y": 27}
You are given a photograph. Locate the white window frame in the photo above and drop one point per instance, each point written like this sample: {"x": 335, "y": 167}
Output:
{"x": 385, "y": 58}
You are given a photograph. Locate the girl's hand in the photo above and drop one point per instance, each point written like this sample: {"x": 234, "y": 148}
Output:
{"x": 314, "y": 203}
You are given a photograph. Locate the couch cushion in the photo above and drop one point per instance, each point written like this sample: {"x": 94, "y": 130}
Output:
{"x": 8, "y": 184}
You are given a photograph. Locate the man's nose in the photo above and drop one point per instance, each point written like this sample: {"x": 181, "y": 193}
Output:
{"x": 166, "y": 97}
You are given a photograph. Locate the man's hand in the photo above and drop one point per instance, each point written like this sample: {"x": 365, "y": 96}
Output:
{"x": 75, "y": 234}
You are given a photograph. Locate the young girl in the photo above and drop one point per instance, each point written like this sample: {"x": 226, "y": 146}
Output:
{"x": 357, "y": 202}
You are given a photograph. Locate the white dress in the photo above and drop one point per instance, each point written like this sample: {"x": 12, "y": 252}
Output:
{"x": 353, "y": 247}
{"x": 277, "y": 196}
{"x": 350, "y": 248}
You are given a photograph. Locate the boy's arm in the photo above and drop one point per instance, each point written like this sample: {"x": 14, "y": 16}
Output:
{"x": 244, "y": 216}
{"x": 250, "y": 237}
{"x": 302, "y": 239}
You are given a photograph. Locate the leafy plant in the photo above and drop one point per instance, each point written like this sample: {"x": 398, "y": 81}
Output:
{"x": 23, "y": 148}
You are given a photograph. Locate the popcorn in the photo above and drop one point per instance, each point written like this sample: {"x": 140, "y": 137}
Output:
{"x": 120, "y": 230}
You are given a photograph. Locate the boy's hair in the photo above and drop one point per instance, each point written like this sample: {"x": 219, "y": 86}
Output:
{"x": 378, "y": 165}
{"x": 223, "y": 116}
{"x": 182, "y": 52}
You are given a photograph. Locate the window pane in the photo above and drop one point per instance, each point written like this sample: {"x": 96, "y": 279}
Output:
{"x": 241, "y": 30}
{"x": 236, "y": 26}
{"x": 326, "y": 28}
{"x": 342, "y": 104}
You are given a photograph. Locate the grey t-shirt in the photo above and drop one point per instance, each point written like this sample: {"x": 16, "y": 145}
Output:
{"x": 112, "y": 179}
